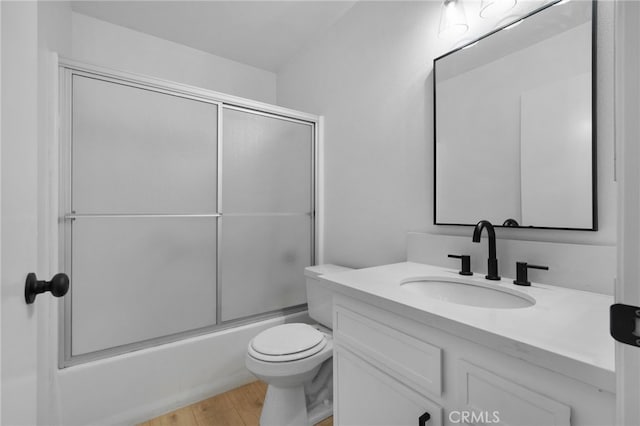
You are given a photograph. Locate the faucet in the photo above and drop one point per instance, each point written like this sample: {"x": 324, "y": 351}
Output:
{"x": 492, "y": 262}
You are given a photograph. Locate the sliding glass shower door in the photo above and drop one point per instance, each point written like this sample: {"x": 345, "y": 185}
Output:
{"x": 143, "y": 210}
{"x": 180, "y": 215}
{"x": 267, "y": 206}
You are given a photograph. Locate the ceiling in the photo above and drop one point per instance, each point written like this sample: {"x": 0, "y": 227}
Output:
{"x": 264, "y": 34}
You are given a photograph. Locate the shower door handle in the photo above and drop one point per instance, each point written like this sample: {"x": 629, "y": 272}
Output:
{"x": 58, "y": 286}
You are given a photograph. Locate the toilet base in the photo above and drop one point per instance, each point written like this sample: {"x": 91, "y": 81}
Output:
{"x": 284, "y": 407}
{"x": 320, "y": 412}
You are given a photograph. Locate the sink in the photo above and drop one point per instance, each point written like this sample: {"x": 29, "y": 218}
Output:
{"x": 468, "y": 292}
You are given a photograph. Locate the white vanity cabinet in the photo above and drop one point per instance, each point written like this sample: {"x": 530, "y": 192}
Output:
{"x": 390, "y": 369}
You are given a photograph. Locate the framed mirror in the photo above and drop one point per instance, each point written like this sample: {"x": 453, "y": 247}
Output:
{"x": 515, "y": 124}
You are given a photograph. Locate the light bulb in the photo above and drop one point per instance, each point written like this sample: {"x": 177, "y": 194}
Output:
{"x": 453, "y": 20}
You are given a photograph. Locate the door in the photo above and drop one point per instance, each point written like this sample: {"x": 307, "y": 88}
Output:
{"x": 267, "y": 212}
{"x": 19, "y": 210}
{"x": 367, "y": 396}
{"x": 139, "y": 200}
{"x": 627, "y": 95}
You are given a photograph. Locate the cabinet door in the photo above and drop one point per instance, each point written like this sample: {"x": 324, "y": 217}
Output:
{"x": 366, "y": 396}
{"x": 506, "y": 402}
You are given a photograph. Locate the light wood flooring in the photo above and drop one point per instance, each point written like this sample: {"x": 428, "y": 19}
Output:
{"x": 237, "y": 407}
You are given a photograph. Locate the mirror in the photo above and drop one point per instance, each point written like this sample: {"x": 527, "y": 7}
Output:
{"x": 515, "y": 124}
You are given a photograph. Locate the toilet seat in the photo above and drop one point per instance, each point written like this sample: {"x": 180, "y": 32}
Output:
{"x": 287, "y": 342}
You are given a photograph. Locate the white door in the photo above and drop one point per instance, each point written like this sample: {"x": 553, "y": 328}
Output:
{"x": 627, "y": 63}
{"x": 19, "y": 211}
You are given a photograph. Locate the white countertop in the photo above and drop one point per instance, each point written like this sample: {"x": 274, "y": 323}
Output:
{"x": 566, "y": 331}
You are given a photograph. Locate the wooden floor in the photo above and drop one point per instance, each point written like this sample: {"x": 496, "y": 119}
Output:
{"x": 237, "y": 407}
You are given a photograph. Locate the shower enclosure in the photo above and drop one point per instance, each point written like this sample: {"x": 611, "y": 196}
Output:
{"x": 183, "y": 211}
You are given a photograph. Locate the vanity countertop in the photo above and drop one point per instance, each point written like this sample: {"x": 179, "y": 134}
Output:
{"x": 566, "y": 331}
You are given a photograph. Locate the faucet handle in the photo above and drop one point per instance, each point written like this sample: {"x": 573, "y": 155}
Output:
{"x": 466, "y": 263}
{"x": 521, "y": 273}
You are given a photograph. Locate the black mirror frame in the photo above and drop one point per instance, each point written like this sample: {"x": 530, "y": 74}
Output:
{"x": 594, "y": 121}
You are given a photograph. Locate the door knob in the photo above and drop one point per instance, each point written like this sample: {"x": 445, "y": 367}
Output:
{"x": 58, "y": 286}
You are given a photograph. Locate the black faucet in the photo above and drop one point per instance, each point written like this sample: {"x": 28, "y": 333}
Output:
{"x": 492, "y": 263}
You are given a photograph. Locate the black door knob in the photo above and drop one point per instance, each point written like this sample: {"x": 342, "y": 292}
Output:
{"x": 58, "y": 286}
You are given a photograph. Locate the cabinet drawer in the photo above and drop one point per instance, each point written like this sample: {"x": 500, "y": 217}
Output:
{"x": 485, "y": 393}
{"x": 417, "y": 362}
{"x": 366, "y": 396}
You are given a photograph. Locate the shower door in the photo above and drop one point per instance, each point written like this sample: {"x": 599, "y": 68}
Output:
{"x": 181, "y": 214}
{"x": 266, "y": 200}
{"x": 141, "y": 215}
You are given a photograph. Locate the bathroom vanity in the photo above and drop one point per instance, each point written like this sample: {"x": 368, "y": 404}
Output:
{"x": 405, "y": 355}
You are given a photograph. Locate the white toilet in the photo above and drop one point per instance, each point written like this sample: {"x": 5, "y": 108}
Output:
{"x": 295, "y": 361}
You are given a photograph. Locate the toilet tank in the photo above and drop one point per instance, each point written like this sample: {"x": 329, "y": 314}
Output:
{"x": 319, "y": 297}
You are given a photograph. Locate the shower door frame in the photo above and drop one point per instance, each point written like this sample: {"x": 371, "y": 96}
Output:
{"x": 67, "y": 68}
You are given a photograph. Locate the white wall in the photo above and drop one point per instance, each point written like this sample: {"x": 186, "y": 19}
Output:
{"x": 371, "y": 76}
{"x": 112, "y": 46}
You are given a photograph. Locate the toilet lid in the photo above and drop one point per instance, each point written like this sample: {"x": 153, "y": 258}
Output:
{"x": 287, "y": 339}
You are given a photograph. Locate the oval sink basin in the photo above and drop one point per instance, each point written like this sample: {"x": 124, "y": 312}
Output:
{"x": 468, "y": 293}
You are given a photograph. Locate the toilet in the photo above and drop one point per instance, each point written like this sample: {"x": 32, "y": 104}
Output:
{"x": 295, "y": 360}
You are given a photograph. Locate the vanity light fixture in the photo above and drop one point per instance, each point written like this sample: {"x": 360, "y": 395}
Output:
{"x": 491, "y": 8}
{"x": 453, "y": 20}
